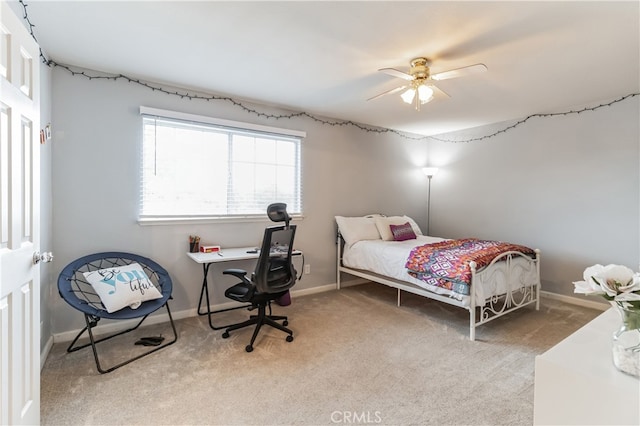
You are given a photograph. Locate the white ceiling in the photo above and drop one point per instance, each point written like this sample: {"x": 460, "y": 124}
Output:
{"x": 323, "y": 57}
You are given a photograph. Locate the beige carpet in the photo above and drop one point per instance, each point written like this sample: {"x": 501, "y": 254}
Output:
{"x": 356, "y": 359}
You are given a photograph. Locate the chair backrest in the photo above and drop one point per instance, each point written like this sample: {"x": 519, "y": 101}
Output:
{"x": 277, "y": 212}
{"x": 274, "y": 271}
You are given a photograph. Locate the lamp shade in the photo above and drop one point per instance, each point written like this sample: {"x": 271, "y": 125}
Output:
{"x": 408, "y": 95}
{"x": 425, "y": 94}
{"x": 430, "y": 171}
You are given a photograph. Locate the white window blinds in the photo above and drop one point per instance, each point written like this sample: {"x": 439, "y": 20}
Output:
{"x": 200, "y": 167}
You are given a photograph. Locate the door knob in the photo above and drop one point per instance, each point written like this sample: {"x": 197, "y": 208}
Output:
{"x": 45, "y": 257}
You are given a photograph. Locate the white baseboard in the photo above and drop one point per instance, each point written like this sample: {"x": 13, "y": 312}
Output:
{"x": 561, "y": 297}
{"x": 158, "y": 318}
{"x": 579, "y": 301}
{"x": 313, "y": 290}
{"x": 68, "y": 336}
{"x": 351, "y": 283}
{"x": 162, "y": 317}
{"x": 576, "y": 301}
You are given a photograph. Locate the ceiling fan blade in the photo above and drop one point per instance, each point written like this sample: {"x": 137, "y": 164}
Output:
{"x": 459, "y": 72}
{"x": 388, "y": 92}
{"x": 397, "y": 73}
{"x": 439, "y": 91}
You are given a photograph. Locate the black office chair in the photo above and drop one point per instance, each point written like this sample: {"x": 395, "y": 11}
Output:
{"x": 273, "y": 277}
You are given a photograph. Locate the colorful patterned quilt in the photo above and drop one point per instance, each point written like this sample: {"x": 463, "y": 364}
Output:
{"x": 446, "y": 264}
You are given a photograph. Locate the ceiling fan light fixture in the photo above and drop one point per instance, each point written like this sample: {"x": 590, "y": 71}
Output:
{"x": 421, "y": 81}
{"x": 408, "y": 95}
{"x": 425, "y": 93}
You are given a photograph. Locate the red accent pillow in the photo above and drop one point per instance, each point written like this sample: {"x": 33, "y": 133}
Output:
{"x": 402, "y": 232}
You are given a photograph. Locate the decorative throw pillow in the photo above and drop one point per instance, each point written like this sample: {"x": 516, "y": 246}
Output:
{"x": 402, "y": 232}
{"x": 383, "y": 223}
{"x": 121, "y": 286}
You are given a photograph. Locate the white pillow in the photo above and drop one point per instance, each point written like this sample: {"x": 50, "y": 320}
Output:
{"x": 414, "y": 225}
{"x": 122, "y": 286}
{"x": 384, "y": 228}
{"x": 354, "y": 229}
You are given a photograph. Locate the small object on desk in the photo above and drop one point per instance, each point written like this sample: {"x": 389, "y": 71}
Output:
{"x": 194, "y": 244}
{"x": 209, "y": 249}
{"x": 252, "y": 251}
{"x": 220, "y": 254}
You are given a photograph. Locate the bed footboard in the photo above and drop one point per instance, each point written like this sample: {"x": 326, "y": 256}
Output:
{"x": 512, "y": 284}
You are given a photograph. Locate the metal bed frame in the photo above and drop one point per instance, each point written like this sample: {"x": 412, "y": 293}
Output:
{"x": 520, "y": 291}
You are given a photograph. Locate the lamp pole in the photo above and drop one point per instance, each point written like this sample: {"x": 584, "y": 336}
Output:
{"x": 429, "y": 172}
{"x": 429, "y": 203}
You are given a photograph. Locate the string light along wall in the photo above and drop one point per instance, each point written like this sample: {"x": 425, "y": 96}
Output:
{"x": 335, "y": 123}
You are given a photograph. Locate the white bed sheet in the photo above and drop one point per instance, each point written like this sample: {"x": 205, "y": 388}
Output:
{"x": 388, "y": 258}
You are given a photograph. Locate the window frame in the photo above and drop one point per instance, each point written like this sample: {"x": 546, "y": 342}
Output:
{"x": 232, "y": 127}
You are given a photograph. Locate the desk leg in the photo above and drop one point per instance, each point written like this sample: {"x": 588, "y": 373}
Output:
{"x": 205, "y": 293}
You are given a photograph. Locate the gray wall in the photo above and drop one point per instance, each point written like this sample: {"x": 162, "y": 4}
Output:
{"x": 567, "y": 185}
{"x": 97, "y": 134}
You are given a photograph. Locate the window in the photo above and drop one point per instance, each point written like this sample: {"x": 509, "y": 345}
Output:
{"x": 200, "y": 167}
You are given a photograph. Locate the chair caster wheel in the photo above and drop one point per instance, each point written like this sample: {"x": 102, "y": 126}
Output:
{"x": 285, "y": 323}
{"x": 249, "y": 348}
{"x": 289, "y": 338}
{"x": 225, "y": 335}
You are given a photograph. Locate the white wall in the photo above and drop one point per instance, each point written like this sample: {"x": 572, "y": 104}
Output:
{"x": 97, "y": 135}
{"x": 568, "y": 185}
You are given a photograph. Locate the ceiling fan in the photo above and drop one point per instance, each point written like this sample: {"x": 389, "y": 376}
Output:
{"x": 420, "y": 80}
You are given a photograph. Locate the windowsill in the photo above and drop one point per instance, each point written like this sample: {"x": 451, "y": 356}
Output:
{"x": 208, "y": 220}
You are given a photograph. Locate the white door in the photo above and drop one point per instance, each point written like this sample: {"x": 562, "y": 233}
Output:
{"x": 20, "y": 222}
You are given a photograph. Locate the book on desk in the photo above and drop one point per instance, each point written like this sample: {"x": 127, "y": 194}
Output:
{"x": 208, "y": 248}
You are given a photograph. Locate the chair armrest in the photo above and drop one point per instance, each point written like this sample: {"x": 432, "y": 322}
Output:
{"x": 238, "y": 273}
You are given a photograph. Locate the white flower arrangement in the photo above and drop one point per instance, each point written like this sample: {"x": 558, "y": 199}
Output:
{"x": 615, "y": 283}
{"x": 621, "y": 286}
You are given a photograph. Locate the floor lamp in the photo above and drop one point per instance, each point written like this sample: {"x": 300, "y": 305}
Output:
{"x": 429, "y": 172}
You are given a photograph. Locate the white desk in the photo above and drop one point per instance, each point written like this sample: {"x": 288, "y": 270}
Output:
{"x": 224, "y": 255}
{"x": 576, "y": 382}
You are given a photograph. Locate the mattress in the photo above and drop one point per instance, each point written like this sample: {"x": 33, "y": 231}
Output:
{"x": 388, "y": 258}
